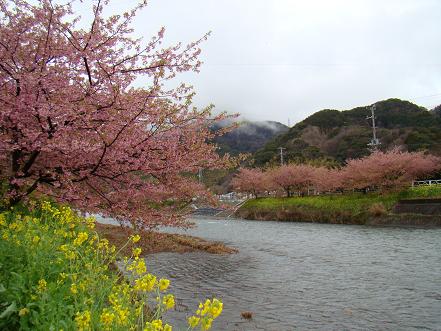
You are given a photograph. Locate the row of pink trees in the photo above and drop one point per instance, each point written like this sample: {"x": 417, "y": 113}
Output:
{"x": 380, "y": 170}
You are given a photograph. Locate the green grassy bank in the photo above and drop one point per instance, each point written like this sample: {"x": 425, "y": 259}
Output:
{"x": 350, "y": 208}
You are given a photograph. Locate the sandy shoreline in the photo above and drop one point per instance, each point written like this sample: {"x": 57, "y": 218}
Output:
{"x": 157, "y": 242}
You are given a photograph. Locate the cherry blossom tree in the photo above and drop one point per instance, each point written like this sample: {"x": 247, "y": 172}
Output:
{"x": 292, "y": 177}
{"x": 324, "y": 179}
{"x": 74, "y": 126}
{"x": 254, "y": 181}
{"x": 388, "y": 170}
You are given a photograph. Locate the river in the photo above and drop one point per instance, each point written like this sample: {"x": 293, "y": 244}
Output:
{"x": 303, "y": 276}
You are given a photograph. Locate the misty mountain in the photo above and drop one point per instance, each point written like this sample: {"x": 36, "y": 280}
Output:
{"x": 248, "y": 137}
{"x": 336, "y": 135}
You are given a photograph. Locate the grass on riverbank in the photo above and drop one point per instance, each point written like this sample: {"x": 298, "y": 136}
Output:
{"x": 353, "y": 208}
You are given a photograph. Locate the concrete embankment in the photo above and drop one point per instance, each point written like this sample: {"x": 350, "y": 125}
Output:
{"x": 406, "y": 220}
{"x": 418, "y": 206}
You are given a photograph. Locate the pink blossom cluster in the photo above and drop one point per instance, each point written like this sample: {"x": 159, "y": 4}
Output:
{"x": 382, "y": 171}
{"x": 76, "y": 125}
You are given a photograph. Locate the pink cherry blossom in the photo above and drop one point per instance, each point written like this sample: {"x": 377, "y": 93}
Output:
{"x": 74, "y": 125}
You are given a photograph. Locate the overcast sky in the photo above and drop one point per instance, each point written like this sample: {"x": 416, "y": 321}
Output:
{"x": 280, "y": 59}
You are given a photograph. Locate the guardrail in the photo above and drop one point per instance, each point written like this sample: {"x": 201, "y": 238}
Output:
{"x": 428, "y": 182}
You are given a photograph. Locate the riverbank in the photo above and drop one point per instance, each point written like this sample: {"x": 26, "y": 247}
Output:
{"x": 351, "y": 208}
{"x": 158, "y": 242}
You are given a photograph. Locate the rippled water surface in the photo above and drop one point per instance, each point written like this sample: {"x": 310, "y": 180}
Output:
{"x": 300, "y": 276}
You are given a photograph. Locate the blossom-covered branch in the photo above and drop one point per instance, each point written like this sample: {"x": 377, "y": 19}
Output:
{"x": 74, "y": 126}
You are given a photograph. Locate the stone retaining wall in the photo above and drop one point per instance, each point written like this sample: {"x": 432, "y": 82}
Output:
{"x": 418, "y": 206}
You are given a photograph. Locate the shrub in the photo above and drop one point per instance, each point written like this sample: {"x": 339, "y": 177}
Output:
{"x": 377, "y": 209}
{"x": 57, "y": 273}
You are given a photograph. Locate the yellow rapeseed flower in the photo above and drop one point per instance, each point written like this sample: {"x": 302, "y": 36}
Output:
{"x": 216, "y": 308}
{"x": 156, "y": 325}
{"x": 81, "y": 237}
{"x": 122, "y": 315}
{"x": 146, "y": 283}
{"x": 135, "y": 238}
{"x": 23, "y": 312}
{"x": 206, "y": 307}
{"x": 163, "y": 284}
{"x": 2, "y": 220}
{"x": 168, "y": 301}
{"x": 63, "y": 248}
{"x": 206, "y": 323}
{"x": 193, "y": 321}
{"x": 74, "y": 288}
{"x": 70, "y": 255}
{"x": 82, "y": 285}
{"x": 139, "y": 266}
{"x": 136, "y": 252}
{"x": 90, "y": 221}
{"x": 35, "y": 240}
{"x": 42, "y": 285}
{"x": 46, "y": 206}
{"x": 107, "y": 318}
{"x": 83, "y": 320}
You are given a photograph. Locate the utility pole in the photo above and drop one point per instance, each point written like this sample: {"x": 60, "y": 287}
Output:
{"x": 375, "y": 142}
{"x": 281, "y": 155}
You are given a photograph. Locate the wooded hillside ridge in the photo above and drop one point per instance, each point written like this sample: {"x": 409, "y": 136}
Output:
{"x": 336, "y": 136}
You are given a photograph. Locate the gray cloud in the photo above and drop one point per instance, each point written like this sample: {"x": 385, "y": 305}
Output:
{"x": 280, "y": 59}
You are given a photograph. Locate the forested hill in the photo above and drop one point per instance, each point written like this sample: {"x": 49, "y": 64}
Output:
{"x": 338, "y": 135}
{"x": 248, "y": 137}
